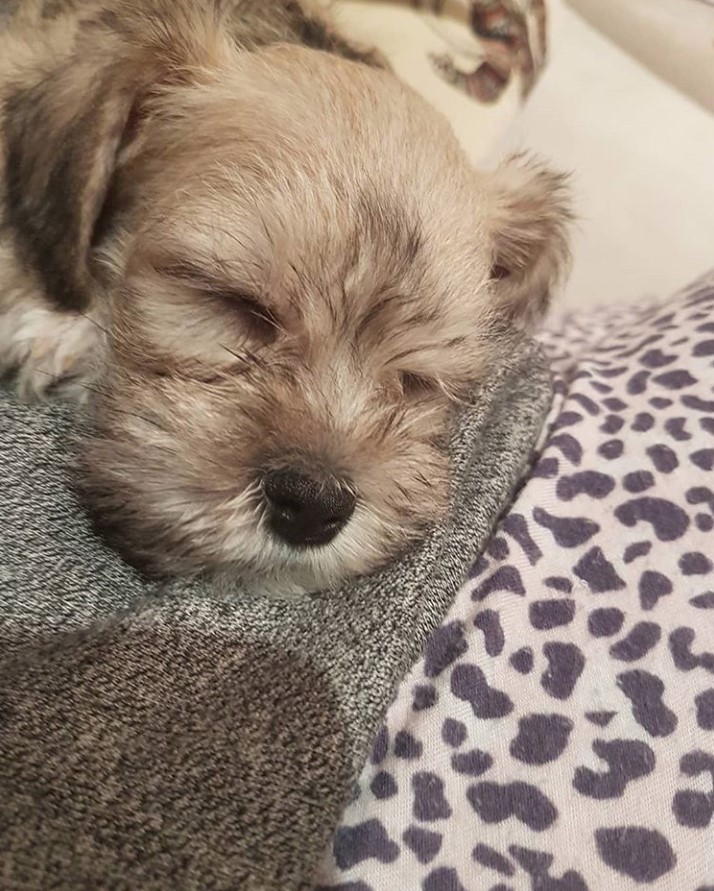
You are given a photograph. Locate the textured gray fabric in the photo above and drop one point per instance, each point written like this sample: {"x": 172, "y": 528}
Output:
{"x": 180, "y": 738}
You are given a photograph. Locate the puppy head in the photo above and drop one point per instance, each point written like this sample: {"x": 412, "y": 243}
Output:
{"x": 305, "y": 277}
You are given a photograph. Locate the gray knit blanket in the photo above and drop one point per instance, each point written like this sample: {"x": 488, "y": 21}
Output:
{"x": 183, "y": 737}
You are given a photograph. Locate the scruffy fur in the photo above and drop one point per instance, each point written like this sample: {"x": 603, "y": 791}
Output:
{"x": 246, "y": 246}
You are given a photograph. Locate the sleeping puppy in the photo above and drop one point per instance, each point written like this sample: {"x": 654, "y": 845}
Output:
{"x": 266, "y": 267}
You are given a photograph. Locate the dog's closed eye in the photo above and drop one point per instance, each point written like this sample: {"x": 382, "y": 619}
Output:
{"x": 415, "y": 386}
{"x": 499, "y": 272}
{"x": 257, "y": 320}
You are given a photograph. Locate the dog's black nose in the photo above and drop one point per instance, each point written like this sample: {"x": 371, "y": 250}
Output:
{"x": 306, "y": 511}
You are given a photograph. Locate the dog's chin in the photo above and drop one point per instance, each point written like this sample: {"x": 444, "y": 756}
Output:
{"x": 269, "y": 567}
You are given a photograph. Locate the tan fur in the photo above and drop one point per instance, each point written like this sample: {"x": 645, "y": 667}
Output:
{"x": 280, "y": 257}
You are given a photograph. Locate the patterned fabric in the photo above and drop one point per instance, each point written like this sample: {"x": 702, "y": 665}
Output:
{"x": 558, "y": 734}
{"x": 512, "y": 42}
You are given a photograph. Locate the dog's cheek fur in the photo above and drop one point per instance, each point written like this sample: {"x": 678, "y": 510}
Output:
{"x": 164, "y": 472}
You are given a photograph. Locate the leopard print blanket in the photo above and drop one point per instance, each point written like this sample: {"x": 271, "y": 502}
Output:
{"x": 558, "y": 733}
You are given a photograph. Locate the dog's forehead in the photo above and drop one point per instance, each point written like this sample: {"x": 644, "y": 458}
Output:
{"x": 327, "y": 236}
{"x": 333, "y": 162}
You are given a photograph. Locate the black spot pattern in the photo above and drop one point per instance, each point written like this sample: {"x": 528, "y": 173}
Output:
{"x": 605, "y": 622}
{"x": 565, "y": 665}
{"x": 443, "y": 879}
{"x": 541, "y": 738}
{"x": 498, "y": 548}
{"x": 522, "y": 660}
{"x": 425, "y": 696}
{"x": 491, "y": 859}
{"x": 612, "y": 424}
{"x": 637, "y": 384}
{"x": 627, "y": 760}
{"x": 705, "y": 709}
{"x": 430, "y": 803}
{"x": 663, "y": 457}
{"x": 568, "y": 532}
{"x": 704, "y": 522}
{"x": 383, "y": 785}
{"x": 353, "y": 844}
{"x": 643, "y": 422}
{"x": 639, "y": 641}
{"x": 546, "y": 468}
{"x": 703, "y": 459}
{"x": 706, "y": 405}
{"x": 489, "y": 623}
{"x": 643, "y": 854}
{"x": 469, "y": 683}
{"x": 668, "y": 520}
{"x": 538, "y": 865}
{"x": 559, "y": 583}
{"x": 636, "y": 549}
{"x": 547, "y": 614}
{"x": 505, "y": 578}
{"x": 453, "y": 732}
{"x": 656, "y": 358}
{"x": 495, "y": 802}
{"x": 680, "y": 645}
{"x": 567, "y": 419}
{"x": 588, "y": 482}
{"x": 645, "y": 690}
{"x": 443, "y": 648}
{"x": 693, "y": 808}
{"x": 380, "y": 746}
{"x": 515, "y": 525}
{"x": 569, "y": 446}
{"x": 695, "y": 563}
{"x": 424, "y": 844}
{"x": 675, "y": 380}
{"x": 597, "y": 571}
{"x": 652, "y": 586}
{"x": 473, "y": 763}
{"x": 675, "y": 428}
{"x": 600, "y": 718}
{"x": 638, "y": 481}
{"x": 405, "y": 746}
{"x": 611, "y": 449}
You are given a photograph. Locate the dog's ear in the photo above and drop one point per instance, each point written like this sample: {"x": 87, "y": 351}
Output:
{"x": 529, "y": 221}
{"x": 62, "y": 135}
{"x": 65, "y": 129}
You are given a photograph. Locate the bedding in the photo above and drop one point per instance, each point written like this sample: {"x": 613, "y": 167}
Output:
{"x": 189, "y": 736}
{"x": 558, "y": 732}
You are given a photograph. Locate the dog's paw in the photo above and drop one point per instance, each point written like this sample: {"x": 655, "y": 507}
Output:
{"x": 47, "y": 351}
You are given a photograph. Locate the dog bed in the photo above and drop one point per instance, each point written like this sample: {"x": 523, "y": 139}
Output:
{"x": 558, "y": 733}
